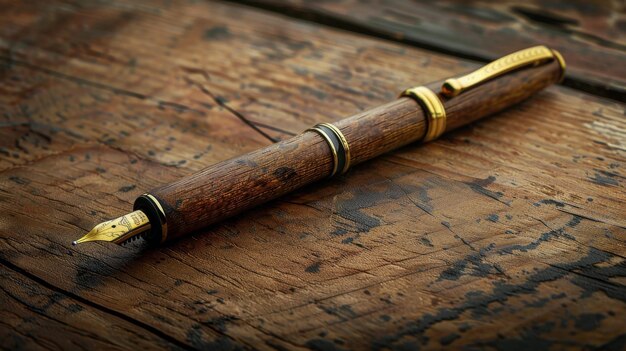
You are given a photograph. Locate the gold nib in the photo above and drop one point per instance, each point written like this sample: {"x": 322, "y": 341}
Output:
{"x": 119, "y": 230}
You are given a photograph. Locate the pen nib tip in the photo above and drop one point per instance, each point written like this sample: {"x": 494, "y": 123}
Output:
{"x": 118, "y": 230}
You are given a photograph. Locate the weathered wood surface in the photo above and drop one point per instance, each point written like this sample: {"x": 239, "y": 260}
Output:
{"x": 508, "y": 233}
{"x": 591, "y": 34}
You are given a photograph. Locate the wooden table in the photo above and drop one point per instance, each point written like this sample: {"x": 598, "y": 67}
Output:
{"x": 507, "y": 234}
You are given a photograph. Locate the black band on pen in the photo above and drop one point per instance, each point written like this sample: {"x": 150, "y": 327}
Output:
{"x": 158, "y": 223}
{"x": 341, "y": 151}
{"x": 338, "y": 146}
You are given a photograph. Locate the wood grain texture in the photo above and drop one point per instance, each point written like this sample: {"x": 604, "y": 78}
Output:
{"x": 507, "y": 233}
{"x": 590, "y": 34}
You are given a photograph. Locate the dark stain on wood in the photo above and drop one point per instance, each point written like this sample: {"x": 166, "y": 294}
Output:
{"x": 343, "y": 312}
{"x": 424, "y": 202}
{"x": 348, "y": 240}
{"x": 178, "y": 203}
{"x": 478, "y": 186}
{"x": 471, "y": 265}
{"x": 19, "y": 180}
{"x": 313, "y": 268}
{"x": 604, "y": 178}
{"x": 74, "y": 308}
{"x": 448, "y": 339}
{"x": 127, "y": 188}
{"x": 220, "y": 323}
{"x": 352, "y": 208}
{"x": 589, "y": 321}
{"x": 493, "y": 218}
{"x": 549, "y": 202}
{"x": 593, "y": 279}
{"x": 424, "y": 240}
{"x": 501, "y": 291}
{"x": 306, "y": 90}
{"x": 530, "y": 338}
{"x": 284, "y": 174}
{"x": 196, "y": 338}
{"x": 544, "y": 237}
{"x": 217, "y": 33}
{"x": 247, "y": 162}
{"x": 339, "y": 232}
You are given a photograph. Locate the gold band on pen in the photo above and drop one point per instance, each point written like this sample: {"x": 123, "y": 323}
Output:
{"x": 338, "y": 145}
{"x": 330, "y": 145}
{"x": 343, "y": 141}
{"x": 435, "y": 112}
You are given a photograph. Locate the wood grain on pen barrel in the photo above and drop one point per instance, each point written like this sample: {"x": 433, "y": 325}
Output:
{"x": 229, "y": 187}
{"x": 232, "y": 186}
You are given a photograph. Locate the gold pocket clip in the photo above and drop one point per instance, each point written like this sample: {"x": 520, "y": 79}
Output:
{"x": 531, "y": 56}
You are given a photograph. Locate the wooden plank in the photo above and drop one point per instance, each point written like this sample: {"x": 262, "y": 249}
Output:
{"x": 34, "y": 316}
{"x": 590, "y": 35}
{"x": 509, "y": 232}
{"x": 247, "y": 66}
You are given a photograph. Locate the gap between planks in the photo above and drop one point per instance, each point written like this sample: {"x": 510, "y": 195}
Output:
{"x": 337, "y": 22}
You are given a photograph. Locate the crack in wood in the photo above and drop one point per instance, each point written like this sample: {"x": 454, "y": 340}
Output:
{"x": 223, "y": 103}
{"x": 177, "y": 106}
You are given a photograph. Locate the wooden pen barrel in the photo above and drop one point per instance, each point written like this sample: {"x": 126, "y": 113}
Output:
{"x": 227, "y": 188}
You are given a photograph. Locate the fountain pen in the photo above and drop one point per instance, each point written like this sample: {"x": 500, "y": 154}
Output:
{"x": 326, "y": 150}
